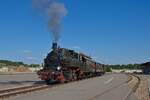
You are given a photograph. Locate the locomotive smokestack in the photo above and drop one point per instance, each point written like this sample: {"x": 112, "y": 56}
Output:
{"x": 54, "y": 46}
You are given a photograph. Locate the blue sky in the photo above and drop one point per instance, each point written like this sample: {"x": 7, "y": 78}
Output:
{"x": 111, "y": 31}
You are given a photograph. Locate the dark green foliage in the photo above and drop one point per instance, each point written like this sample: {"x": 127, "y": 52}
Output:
{"x": 128, "y": 66}
{"x": 108, "y": 69}
{"x": 12, "y": 63}
{"x": 34, "y": 65}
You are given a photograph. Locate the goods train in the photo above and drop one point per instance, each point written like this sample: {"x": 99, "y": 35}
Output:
{"x": 63, "y": 65}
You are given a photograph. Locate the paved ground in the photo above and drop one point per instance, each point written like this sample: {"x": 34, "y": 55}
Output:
{"x": 7, "y": 81}
{"x": 107, "y": 87}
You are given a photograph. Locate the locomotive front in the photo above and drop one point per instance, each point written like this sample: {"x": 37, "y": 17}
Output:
{"x": 51, "y": 71}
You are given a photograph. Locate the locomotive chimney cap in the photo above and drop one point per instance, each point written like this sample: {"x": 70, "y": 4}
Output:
{"x": 54, "y": 45}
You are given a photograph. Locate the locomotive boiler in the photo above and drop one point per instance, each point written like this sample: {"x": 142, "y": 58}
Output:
{"x": 62, "y": 65}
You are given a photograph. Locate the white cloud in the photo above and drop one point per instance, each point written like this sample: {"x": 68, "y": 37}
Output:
{"x": 27, "y": 51}
{"x": 31, "y": 58}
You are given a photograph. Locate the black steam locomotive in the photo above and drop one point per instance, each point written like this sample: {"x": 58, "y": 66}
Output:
{"x": 62, "y": 65}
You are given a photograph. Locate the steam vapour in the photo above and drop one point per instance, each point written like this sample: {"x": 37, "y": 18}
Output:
{"x": 55, "y": 11}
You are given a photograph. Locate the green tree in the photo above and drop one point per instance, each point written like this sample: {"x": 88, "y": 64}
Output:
{"x": 108, "y": 69}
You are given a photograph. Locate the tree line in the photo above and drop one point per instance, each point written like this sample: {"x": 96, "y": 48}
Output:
{"x": 128, "y": 66}
{"x": 13, "y": 63}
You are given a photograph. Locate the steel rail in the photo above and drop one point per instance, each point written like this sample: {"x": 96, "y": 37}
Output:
{"x": 21, "y": 90}
{"x": 6, "y": 93}
{"x": 118, "y": 86}
{"x": 133, "y": 90}
{"x": 112, "y": 88}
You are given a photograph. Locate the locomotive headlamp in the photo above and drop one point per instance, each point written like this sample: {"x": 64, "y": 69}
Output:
{"x": 59, "y": 68}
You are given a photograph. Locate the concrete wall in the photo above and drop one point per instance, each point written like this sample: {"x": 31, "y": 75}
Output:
{"x": 127, "y": 71}
{"x": 4, "y": 69}
{"x": 35, "y": 69}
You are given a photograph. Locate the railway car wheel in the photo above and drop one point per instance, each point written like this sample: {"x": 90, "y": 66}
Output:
{"x": 48, "y": 82}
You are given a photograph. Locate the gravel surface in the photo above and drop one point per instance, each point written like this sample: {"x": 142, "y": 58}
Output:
{"x": 143, "y": 91}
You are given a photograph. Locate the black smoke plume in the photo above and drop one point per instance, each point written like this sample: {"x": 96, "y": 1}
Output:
{"x": 54, "y": 11}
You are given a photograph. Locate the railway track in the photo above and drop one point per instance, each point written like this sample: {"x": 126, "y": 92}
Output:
{"x": 135, "y": 87}
{"x": 6, "y": 93}
{"x": 127, "y": 97}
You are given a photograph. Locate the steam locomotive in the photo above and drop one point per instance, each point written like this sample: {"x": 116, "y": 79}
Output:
{"x": 63, "y": 65}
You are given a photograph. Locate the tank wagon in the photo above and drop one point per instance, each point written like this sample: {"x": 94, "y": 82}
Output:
{"x": 62, "y": 65}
